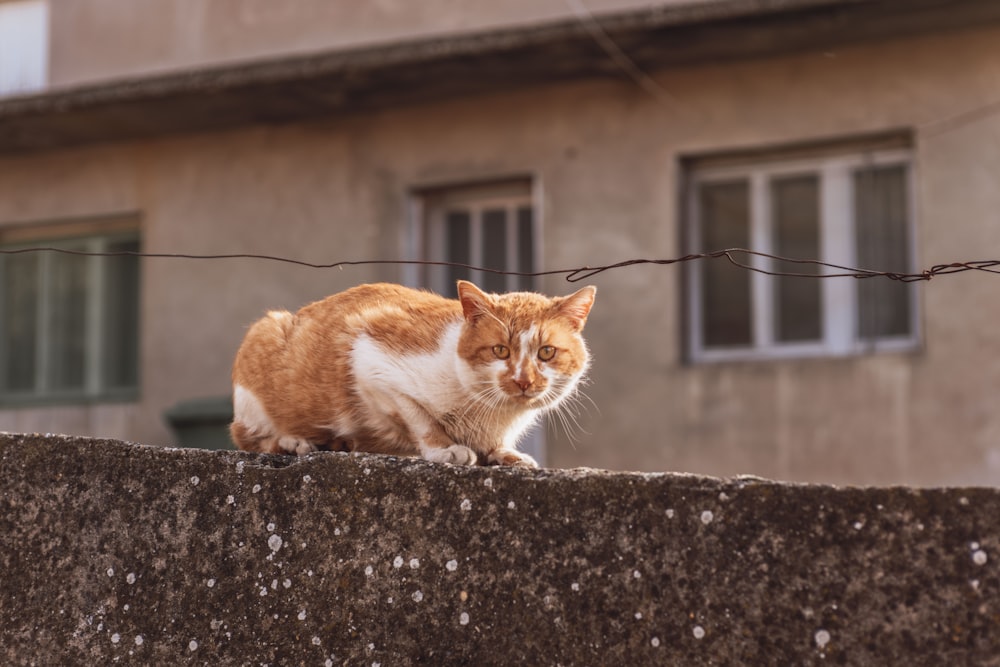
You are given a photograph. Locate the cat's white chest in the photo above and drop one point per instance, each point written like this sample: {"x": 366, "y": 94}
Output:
{"x": 386, "y": 379}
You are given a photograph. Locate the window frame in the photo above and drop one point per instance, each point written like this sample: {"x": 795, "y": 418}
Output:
{"x": 429, "y": 209}
{"x": 95, "y": 387}
{"x": 837, "y": 242}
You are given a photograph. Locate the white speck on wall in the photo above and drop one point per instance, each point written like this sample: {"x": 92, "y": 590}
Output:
{"x": 368, "y": 471}
{"x": 307, "y": 478}
{"x": 963, "y": 501}
{"x": 274, "y": 584}
{"x": 511, "y": 505}
{"x": 130, "y": 579}
{"x": 274, "y": 542}
{"x": 111, "y": 571}
{"x": 723, "y": 497}
{"x": 256, "y": 488}
{"x": 263, "y": 591}
{"x": 451, "y": 565}
{"x": 636, "y": 574}
{"x": 698, "y": 632}
{"x": 139, "y": 640}
{"x": 707, "y": 517}
{"x": 270, "y": 527}
{"x": 979, "y": 557}
{"x": 414, "y": 563}
{"x": 575, "y": 586}
{"x": 822, "y": 638}
{"x": 215, "y": 625}
{"x": 670, "y": 514}
{"x": 239, "y": 466}
{"x": 195, "y": 480}
{"x": 488, "y": 482}
{"x": 287, "y": 583}
{"x": 336, "y": 531}
{"x": 397, "y": 562}
{"x": 193, "y": 645}
{"x": 125, "y": 608}
{"x": 974, "y": 545}
{"x": 858, "y": 525}
{"x": 316, "y": 641}
{"x": 328, "y": 663}
{"x": 210, "y": 583}
{"x": 463, "y": 618}
{"x": 638, "y": 615}
{"x": 417, "y": 596}
{"x": 302, "y": 615}
{"x": 655, "y": 641}
{"x": 230, "y": 500}
{"x": 369, "y": 570}
{"x": 466, "y": 505}
{"x": 115, "y": 638}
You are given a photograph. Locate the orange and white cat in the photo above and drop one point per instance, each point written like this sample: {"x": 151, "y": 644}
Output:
{"x": 384, "y": 368}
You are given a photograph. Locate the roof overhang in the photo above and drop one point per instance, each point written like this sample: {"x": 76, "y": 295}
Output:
{"x": 319, "y": 85}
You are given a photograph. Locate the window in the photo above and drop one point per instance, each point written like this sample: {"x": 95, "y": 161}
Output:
{"x": 69, "y": 323}
{"x": 490, "y": 226}
{"x": 851, "y": 208}
{"x": 24, "y": 46}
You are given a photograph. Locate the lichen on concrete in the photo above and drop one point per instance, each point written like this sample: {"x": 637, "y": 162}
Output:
{"x": 114, "y": 553}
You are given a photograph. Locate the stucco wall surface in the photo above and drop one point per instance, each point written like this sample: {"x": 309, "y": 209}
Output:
{"x": 119, "y": 553}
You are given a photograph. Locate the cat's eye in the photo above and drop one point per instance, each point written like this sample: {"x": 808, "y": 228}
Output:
{"x": 501, "y": 351}
{"x": 546, "y": 352}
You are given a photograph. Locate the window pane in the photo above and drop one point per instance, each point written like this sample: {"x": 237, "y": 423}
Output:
{"x": 795, "y": 225}
{"x": 20, "y": 321}
{"x": 495, "y": 249}
{"x": 458, "y": 243}
{"x": 67, "y": 322}
{"x": 881, "y": 215}
{"x": 725, "y": 223}
{"x": 121, "y": 317}
{"x": 525, "y": 247}
{"x": 24, "y": 38}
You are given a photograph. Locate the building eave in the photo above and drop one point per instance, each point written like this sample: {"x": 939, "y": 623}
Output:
{"x": 327, "y": 84}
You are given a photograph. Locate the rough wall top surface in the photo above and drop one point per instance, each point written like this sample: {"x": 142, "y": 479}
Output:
{"x": 119, "y": 553}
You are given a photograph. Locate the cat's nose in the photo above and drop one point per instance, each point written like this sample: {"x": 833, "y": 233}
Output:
{"x": 523, "y": 383}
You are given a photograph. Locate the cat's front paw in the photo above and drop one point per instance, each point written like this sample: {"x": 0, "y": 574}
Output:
{"x": 456, "y": 454}
{"x": 293, "y": 445}
{"x": 511, "y": 457}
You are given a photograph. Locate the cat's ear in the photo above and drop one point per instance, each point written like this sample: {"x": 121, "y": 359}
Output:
{"x": 577, "y": 305}
{"x": 475, "y": 302}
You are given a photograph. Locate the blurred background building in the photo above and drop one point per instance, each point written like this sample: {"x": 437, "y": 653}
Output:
{"x": 525, "y": 135}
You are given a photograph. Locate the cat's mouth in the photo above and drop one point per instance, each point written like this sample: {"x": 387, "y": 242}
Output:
{"x": 527, "y": 396}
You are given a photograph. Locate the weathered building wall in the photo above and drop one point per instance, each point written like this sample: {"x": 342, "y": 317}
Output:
{"x": 605, "y": 157}
{"x": 115, "y": 553}
{"x": 103, "y": 39}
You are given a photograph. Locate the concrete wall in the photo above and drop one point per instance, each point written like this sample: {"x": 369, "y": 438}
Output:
{"x": 102, "y": 39}
{"x": 121, "y": 554}
{"x": 605, "y": 155}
